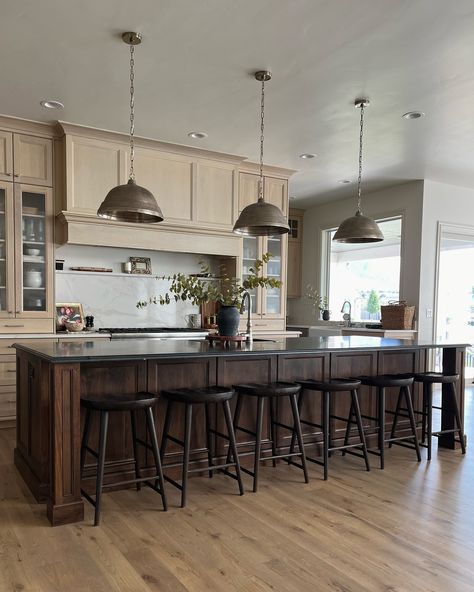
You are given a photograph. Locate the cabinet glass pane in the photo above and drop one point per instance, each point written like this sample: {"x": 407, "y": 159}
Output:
{"x": 3, "y": 268}
{"x": 33, "y": 250}
{"x": 273, "y": 295}
{"x": 250, "y": 256}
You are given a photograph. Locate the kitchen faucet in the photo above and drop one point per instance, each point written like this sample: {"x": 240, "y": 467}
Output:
{"x": 346, "y": 315}
{"x": 246, "y": 296}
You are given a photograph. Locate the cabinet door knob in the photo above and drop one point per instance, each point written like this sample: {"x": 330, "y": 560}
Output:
{"x": 8, "y": 174}
{"x": 16, "y": 175}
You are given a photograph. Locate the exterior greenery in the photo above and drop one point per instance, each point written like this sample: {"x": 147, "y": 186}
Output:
{"x": 319, "y": 302}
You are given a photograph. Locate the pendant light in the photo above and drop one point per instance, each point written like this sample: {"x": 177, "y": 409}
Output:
{"x": 130, "y": 202}
{"x": 359, "y": 228}
{"x": 261, "y": 218}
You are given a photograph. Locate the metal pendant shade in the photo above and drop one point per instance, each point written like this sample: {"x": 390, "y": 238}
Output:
{"x": 359, "y": 228}
{"x": 261, "y": 218}
{"x": 130, "y": 202}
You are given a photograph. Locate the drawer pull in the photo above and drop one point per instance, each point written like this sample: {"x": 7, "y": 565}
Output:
{"x": 16, "y": 175}
{"x": 13, "y": 325}
{"x": 260, "y": 324}
{"x": 8, "y": 174}
{"x": 11, "y": 370}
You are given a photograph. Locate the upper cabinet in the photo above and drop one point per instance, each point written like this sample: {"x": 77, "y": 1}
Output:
{"x": 26, "y": 159}
{"x": 295, "y": 253}
{"x": 191, "y": 191}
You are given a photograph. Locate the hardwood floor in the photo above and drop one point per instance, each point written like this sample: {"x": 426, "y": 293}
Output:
{"x": 408, "y": 528}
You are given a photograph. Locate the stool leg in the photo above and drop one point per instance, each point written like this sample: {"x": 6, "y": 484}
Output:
{"x": 293, "y": 435}
{"x": 395, "y": 417}
{"x": 135, "y": 449}
{"x": 258, "y": 442}
{"x": 411, "y": 415}
{"x": 238, "y": 407}
{"x": 209, "y": 441}
{"x": 187, "y": 448}
{"x": 360, "y": 427}
{"x": 233, "y": 444}
{"x": 85, "y": 439}
{"x": 424, "y": 413}
{"x": 273, "y": 434}
{"x": 166, "y": 429}
{"x": 381, "y": 422}
{"x": 104, "y": 422}
{"x": 457, "y": 417}
{"x": 348, "y": 427}
{"x": 156, "y": 454}
{"x": 326, "y": 429}
{"x": 429, "y": 418}
{"x": 299, "y": 434}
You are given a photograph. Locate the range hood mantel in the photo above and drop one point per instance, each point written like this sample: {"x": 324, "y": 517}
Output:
{"x": 83, "y": 229}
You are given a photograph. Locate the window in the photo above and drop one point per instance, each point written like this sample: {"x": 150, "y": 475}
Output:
{"x": 367, "y": 274}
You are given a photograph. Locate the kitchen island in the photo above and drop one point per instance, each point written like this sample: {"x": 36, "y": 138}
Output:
{"x": 51, "y": 378}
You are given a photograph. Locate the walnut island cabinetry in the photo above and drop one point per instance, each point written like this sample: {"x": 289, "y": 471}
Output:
{"x": 53, "y": 376}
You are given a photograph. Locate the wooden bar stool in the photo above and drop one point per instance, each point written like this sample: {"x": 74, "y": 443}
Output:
{"x": 201, "y": 396}
{"x": 428, "y": 379}
{"x": 403, "y": 382}
{"x": 270, "y": 391}
{"x": 104, "y": 405}
{"x": 327, "y": 388}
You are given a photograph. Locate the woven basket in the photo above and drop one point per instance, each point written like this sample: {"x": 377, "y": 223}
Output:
{"x": 397, "y": 315}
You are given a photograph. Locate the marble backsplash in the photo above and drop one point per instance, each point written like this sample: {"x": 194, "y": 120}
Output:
{"x": 111, "y": 297}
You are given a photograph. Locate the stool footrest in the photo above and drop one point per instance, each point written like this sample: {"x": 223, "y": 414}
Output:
{"x": 244, "y": 430}
{"x": 405, "y": 445}
{"x": 311, "y": 423}
{"x": 175, "y": 440}
{"x": 211, "y": 468}
{"x": 441, "y": 432}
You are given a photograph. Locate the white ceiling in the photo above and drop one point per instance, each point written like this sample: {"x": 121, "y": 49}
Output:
{"x": 194, "y": 72}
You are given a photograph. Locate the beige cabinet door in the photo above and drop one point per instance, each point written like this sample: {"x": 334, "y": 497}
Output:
{"x": 93, "y": 168}
{"x": 7, "y": 248}
{"x": 6, "y": 156}
{"x": 33, "y": 252}
{"x": 170, "y": 178}
{"x": 248, "y": 190}
{"x": 33, "y": 160}
{"x": 276, "y": 193}
{"x": 293, "y": 289}
{"x": 274, "y": 299}
{"x": 216, "y": 195}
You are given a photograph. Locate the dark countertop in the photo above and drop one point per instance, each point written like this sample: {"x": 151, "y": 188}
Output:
{"x": 148, "y": 348}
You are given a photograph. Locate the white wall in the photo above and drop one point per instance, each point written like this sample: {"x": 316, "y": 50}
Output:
{"x": 111, "y": 298}
{"x": 405, "y": 199}
{"x": 441, "y": 203}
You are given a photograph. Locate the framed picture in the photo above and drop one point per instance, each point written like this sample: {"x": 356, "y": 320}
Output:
{"x": 68, "y": 312}
{"x": 141, "y": 265}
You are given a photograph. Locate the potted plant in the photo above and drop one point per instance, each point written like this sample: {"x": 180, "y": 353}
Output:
{"x": 320, "y": 303}
{"x": 227, "y": 291}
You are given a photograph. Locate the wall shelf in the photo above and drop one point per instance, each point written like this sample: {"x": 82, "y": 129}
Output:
{"x": 107, "y": 274}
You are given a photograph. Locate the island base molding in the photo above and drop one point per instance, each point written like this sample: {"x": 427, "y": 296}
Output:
{"x": 50, "y": 426}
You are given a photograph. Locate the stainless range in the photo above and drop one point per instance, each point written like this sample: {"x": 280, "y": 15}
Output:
{"x": 154, "y": 333}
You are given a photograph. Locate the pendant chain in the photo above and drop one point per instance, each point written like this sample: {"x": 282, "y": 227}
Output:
{"x": 359, "y": 181}
{"x": 132, "y": 112}
{"x": 262, "y": 138}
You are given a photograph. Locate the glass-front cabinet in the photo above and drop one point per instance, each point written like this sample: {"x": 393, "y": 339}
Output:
{"x": 25, "y": 251}
{"x": 266, "y": 302}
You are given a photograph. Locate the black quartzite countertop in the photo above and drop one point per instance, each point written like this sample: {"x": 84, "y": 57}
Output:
{"x": 149, "y": 348}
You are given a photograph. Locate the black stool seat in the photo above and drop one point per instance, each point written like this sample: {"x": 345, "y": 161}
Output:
{"x": 211, "y": 394}
{"x": 132, "y": 403}
{"x": 436, "y": 377}
{"x": 387, "y": 380}
{"x": 332, "y": 386}
{"x": 119, "y": 402}
{"x": 270, "y": 393}
{"x": 271, "y": 389}
{"x": 207, "y": 397}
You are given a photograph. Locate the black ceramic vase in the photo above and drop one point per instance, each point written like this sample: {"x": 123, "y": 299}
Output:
{"x": 228, "y": 319}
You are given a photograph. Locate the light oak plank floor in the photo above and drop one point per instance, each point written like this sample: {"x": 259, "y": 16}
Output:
{"x": 409, "y": 528}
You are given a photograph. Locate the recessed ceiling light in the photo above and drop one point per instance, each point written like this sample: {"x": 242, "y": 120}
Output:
{"x": 307, "y": 155}
{"x": 413, "y": 115}
{"x": 197, "y": 135}
{"x": 52, "y": 104}
{"x": 344, "y": 181}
